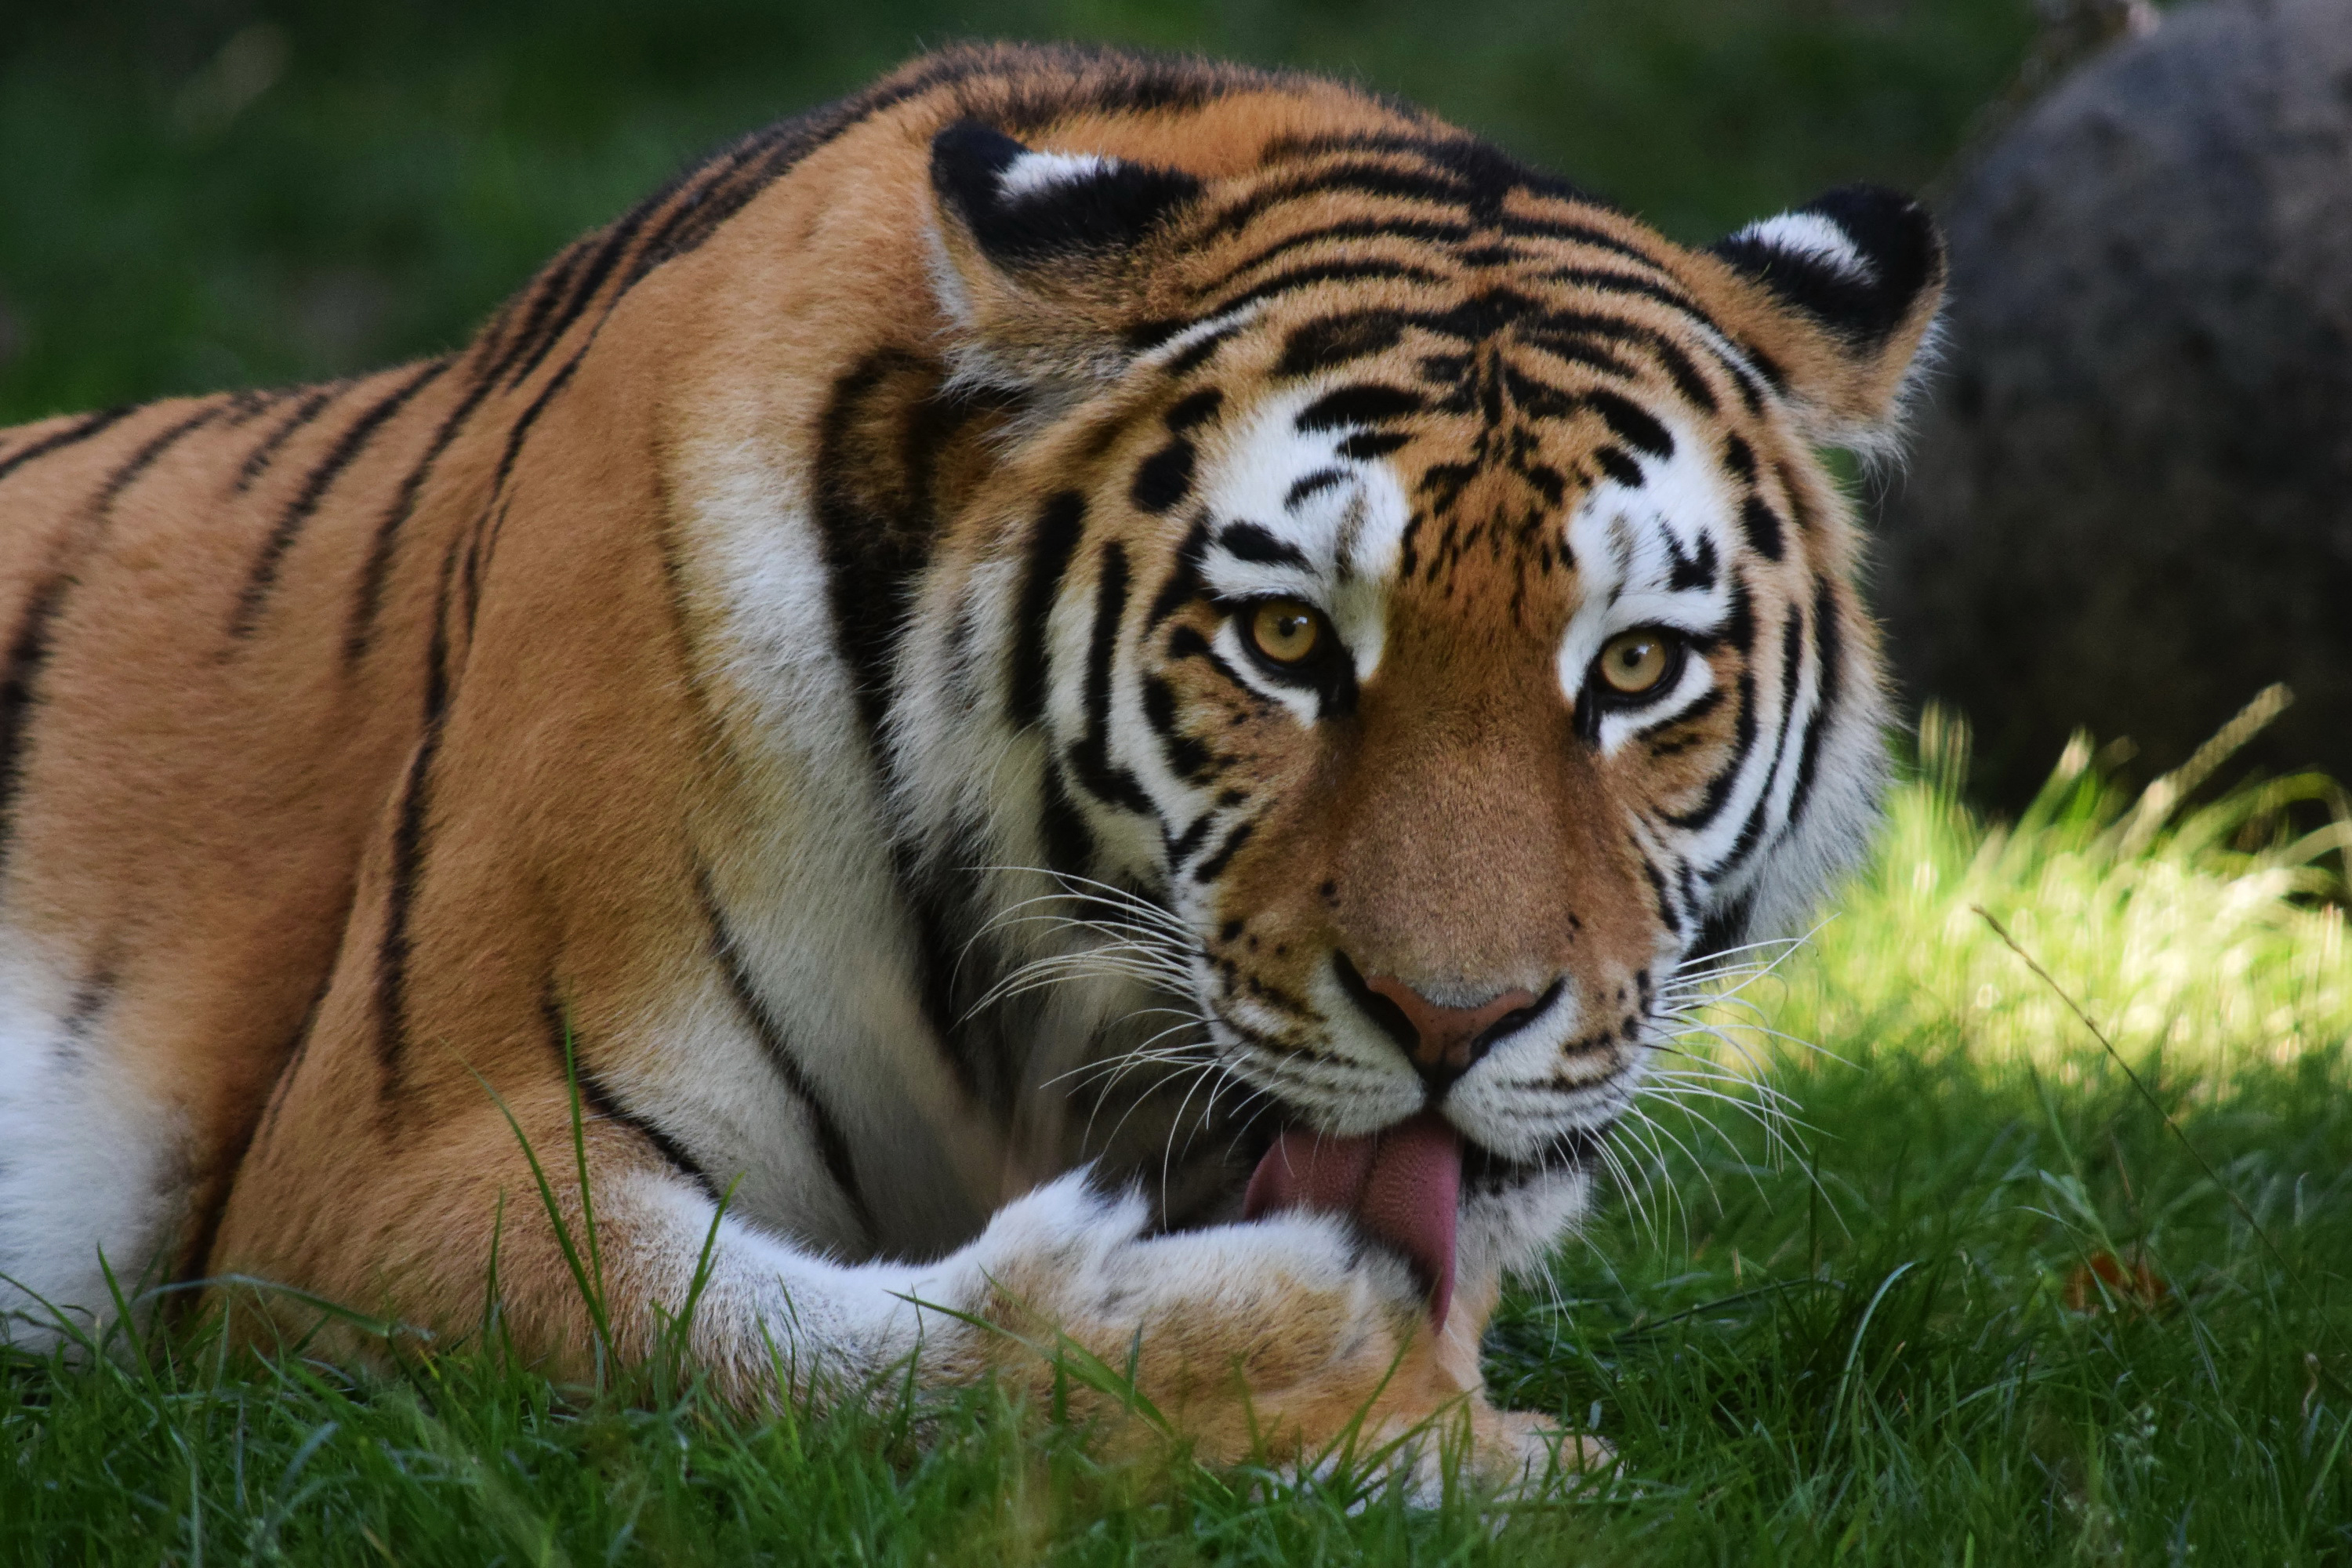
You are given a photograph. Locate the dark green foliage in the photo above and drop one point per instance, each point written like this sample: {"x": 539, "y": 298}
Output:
{"x": 198, "y": 194}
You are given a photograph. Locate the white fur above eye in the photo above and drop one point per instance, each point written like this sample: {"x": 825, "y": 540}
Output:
{"x": 1812, "y": 237}
{"x": 1033, "y": 173}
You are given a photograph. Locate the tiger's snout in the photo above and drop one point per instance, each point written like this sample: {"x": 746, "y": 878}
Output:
{"x": 1441, "y": 1039}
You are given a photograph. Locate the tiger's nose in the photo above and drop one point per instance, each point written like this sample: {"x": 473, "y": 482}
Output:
{"x": 1443, "y": 1042}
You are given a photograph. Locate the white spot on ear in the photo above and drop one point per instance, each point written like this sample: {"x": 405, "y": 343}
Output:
{"x": 1035, "y": 172}
{"x": 1813, "y": 238}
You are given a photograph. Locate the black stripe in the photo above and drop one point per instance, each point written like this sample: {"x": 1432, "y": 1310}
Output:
{"x": 1214, "y": 867}
{"x": 1194, "y": 408}
{"x": 1401, "y": 228}
{"x": 1311, "y": 485}
{"x": 1326, "y": 272}
{"x": 1568, "y": 334}
{"x": 1631, "y": 424}
{"x": 705, "y": 197}
{"x": 1186, "y": 756}
{"x": 1740, "y": 634}
{"x": 1740, "y": 459}
{"x": 263, "y": 575}
{"x": 1062, "y": 831}
{"x": 1829, "y": 648}
{"x": 89, "y": 1000}
{"x": 1196, "y": 353}
{"x": 523, "y": 422}
{"x": 28, "y": 651}
{"x": 833, "y": 1147}
{"x": 1706, "y": 702}
{"x": 250, "y": 404}
{"x": 1798, "y": 510}
{"x": 1693, "y": 571}
{"x": 1051, "y": 542}
{"x": 1329, "y": 342}
{"x": 1658, "y": 894}
{"x": 260, "y": 458}
{"x": 1751, "y": 832}
{"x": 80, "y": 430}
{"x": 1604, "y": 281}
{"x": 392, "y": 952}
{"x": 581, "y": 294}
{"x": 1164, "y": 478}
{"x": 1617, "y": 465}
{"x": 596, "y": 1097}
{"x": 941, "y": 899}
{"x": 1519, "y": 227}
{"x": 1180, "y": 847}
{"x": 408, "y": 844}
{"x": 1488, "y": 175}
{"x": 1183, "y": 583}
{"x": 481, "y": 539}
{"x": 538, "y": 299}
{"x": 1684, "y": 374}
{"x": 139, "y": 462}
{"x": 875, "y": 515}
{"x": 1761, "y": 524}
{"x": 1248, "y": 541}
{"x": 1387, "y": 180}
{"x": 1091, "y": 761}
{"x": 1534, "y": 398}
{"x": 1366, "y": 404}
{"x": 376, "y": 572}
{"x": 599, "y": 1101}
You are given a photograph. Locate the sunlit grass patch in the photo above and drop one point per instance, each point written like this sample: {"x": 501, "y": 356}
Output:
{"x": 2200, "y": 938}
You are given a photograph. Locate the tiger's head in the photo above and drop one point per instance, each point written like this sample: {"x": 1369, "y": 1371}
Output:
{"x": 1419, "y": 581}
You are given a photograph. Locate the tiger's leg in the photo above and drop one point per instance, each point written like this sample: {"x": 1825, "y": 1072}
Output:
{"x": 1279, "y": 1335}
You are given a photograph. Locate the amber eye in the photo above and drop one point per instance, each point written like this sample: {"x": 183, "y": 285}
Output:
{"x": 1286, "y": 630}
{"x": 1636, "y": 663}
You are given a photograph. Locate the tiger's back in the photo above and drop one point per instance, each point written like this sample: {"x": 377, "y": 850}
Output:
{"x": 695, "y": 689}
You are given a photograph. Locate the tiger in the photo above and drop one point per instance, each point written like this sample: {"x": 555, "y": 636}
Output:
{"x": 1085, "y": 703}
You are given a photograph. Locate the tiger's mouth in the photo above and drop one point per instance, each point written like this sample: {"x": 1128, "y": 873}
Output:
{"x": 1403, "y": 1188}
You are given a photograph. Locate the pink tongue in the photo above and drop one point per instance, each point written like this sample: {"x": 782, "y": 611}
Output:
{"x": 1402, "y": 1185}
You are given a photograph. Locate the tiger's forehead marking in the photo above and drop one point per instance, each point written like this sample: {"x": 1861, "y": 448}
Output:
{"x": 1291, "y": 501}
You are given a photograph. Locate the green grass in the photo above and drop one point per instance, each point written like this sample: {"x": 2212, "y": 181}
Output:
{"x": 1868, "y": 1333}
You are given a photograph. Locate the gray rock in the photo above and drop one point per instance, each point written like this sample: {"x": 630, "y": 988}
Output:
{"x": 2130, "y": 505}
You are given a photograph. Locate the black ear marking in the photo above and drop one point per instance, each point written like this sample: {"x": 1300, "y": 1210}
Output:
{"x": 1857, "y": 260}
{"x": 1025, "y": 206}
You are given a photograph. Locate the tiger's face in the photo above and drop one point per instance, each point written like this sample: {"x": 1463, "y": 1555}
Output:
{"x": 1471, "y": 637}
{"x": 1421, "y": 731}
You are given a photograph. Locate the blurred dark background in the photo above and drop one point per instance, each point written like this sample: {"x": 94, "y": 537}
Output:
{"x": 218, "y": 192}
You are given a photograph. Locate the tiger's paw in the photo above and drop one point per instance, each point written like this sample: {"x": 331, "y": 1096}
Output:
{"x": 1286, "y": 1337}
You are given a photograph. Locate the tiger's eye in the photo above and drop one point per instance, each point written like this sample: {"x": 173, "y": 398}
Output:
{"x": 1634, "y": 662}
{"x": 1286, "y": 630}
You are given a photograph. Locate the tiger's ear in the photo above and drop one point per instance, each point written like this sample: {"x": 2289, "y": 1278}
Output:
{"x": 1038, "y": 254}
{"x": 1840, "y": 300}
